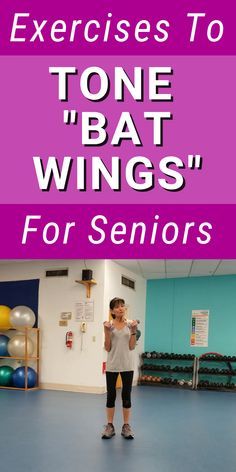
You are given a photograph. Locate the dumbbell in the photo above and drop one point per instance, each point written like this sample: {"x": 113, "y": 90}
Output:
{"x": 181, "y": 382}
{"x": 204, "y": 383}
{"x": 165, "y": 380}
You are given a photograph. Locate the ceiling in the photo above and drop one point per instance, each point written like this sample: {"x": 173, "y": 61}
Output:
{"x": 170, "y": 268}
{"x": 166, "y": 268}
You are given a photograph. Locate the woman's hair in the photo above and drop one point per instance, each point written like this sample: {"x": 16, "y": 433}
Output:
{"x": 116, "y": 302}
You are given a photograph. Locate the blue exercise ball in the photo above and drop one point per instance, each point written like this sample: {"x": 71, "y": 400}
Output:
{"x": 3, "y": 345}
{"x": 18, "y": 377}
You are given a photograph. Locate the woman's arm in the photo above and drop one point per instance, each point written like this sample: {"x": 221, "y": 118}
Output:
{"x": 133, "y": 331}
{"x": 107, "y": 331}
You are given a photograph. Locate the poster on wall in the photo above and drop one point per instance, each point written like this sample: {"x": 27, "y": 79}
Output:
{"x": 199, "y": 328}
{"x": 84, "y": 311}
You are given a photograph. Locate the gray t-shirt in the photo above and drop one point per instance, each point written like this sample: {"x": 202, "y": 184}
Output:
{"x": 120, "y": 357}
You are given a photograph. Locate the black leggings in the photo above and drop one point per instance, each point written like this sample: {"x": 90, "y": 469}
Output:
{"x": 127, "y": 378}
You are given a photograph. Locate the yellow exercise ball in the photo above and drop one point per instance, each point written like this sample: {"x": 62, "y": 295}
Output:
{"x": 5, "y": 317}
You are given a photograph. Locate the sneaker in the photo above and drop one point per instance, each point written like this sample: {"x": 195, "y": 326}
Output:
{"x": 127, "y": 432}
{"x": 109, "y": 431}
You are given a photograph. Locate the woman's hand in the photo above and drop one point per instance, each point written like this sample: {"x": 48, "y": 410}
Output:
{"x": 133, "y": 326}
{"x": 107, "y": 325}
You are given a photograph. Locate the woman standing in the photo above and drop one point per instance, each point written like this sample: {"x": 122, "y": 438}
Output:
{"x": 120, "y": 341}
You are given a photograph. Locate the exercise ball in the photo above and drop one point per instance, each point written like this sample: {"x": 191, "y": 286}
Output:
{"x": 3, "y": 345}
{"x": 5, "y": 317}
{"x": 18, "y": 377}
{"x": 22, "y": 317}
{"x": 11, "y": 362}
{"x": 6, "y": 373}
{"x": 16, "y": 346}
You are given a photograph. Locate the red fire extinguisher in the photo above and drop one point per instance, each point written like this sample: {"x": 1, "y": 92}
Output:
{"x": 69, "y": 339}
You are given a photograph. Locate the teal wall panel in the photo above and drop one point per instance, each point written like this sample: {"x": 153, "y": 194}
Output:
{"x": 169, "y": 307}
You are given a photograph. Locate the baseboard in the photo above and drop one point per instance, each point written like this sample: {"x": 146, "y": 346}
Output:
{"x": 72, "y": 388}
{"x": 76, "y": 388}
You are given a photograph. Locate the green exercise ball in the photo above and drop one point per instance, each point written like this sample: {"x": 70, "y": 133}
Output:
{"x": 6, "y": 375}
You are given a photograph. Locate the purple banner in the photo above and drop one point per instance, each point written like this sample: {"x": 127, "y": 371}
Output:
{"x": 117, "y": 28}
{"x": 202, "y": 124}
{"x": 130, "y": 231}
{"x": 126, "y": 103}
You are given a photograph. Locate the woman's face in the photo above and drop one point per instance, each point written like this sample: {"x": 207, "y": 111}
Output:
{"x": 119, "y": 310}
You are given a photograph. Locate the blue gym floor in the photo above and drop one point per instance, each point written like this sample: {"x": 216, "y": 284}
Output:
{"x": 175, "y": 431}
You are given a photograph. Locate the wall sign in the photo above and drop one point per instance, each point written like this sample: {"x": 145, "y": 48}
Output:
{"x": 199, "y": 328}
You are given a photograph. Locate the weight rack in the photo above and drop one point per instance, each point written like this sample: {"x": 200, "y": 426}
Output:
{"x": 197, "y": 373}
